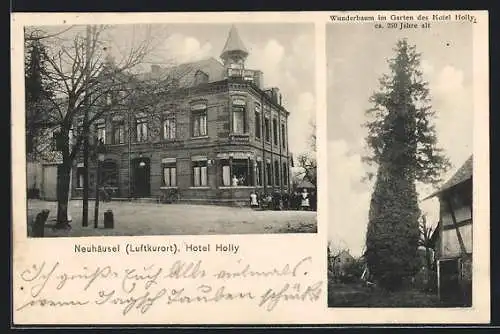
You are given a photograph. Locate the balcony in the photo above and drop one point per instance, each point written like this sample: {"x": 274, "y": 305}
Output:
{"x": 246, "y": 75}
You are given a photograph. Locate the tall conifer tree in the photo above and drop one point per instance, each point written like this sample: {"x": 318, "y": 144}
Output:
{"x": 403, "y": 144}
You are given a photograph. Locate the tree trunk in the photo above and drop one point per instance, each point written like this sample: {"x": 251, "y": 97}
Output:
{"x": 428, "y": 258}
{"x": 63, "y": 177}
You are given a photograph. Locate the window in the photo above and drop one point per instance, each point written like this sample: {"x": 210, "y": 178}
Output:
{"x": 269, "y": 174}
{"x": 200, "y": 123}
{"x": 257, "y": 123}
{"x": 169, "y": 128}
{"x": 275, "y": 131}
{"x": 80, "y": 177}
{"x": 109, "y": 174}
{"x": 238, "y": 119}
{"x": 118, "y": 132}
{"x": 267, "y": 129}
{"x": 142, "y": 129}
{"x": 236, "y": 174}
{"x": 53, "y": 141}
{"x": 101, "y": 131}
{"x": 79, "y": 127}
{"x": 258, "y": 171}
{"x": 285, "y": 174}
{"x": 169, "y": 175}
{"x": 283, "y": 141}
{"x": 200, "y": 77}
{"x": 200, "y": 173}
{"x": 276, "y": 173}
{"x": 226, "y": 173}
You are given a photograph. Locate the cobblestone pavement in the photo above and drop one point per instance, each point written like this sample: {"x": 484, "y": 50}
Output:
{"x": 135, "y": 218}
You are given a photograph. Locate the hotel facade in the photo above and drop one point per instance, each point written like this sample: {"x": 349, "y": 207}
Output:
{"x": 221, "y": 136}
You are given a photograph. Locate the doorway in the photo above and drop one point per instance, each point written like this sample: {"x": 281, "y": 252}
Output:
{"x": 141, "y": 177}
{"x": 449, "y": 276}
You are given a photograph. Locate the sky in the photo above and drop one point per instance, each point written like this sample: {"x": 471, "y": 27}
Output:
{"x": 356, "y": 58}
{"x": 282, "y": 51}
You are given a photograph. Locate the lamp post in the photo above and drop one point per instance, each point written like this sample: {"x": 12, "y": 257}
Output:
{"x": 100, "y": 159}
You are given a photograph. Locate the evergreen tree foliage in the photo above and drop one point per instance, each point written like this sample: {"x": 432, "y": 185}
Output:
{"x": 37, "y": 92}
{"x": 403, "y": 144}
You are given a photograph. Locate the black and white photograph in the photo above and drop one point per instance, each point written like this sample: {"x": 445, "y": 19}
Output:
{"x": 170, "y": 129}
{"x": 400, "y": 114}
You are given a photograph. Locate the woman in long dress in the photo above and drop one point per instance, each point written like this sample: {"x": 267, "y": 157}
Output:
{"x": 304, "y": 200}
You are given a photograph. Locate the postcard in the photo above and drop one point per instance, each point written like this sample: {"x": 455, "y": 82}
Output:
{"x": 241, "y": 168}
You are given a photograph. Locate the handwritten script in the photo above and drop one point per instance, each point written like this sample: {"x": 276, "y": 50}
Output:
{"x": 50, "y": 285}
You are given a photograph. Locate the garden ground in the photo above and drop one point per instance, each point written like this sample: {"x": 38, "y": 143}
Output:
{"x": 359, "y": 295}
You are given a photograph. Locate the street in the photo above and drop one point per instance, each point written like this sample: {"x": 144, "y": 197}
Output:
{"x": 135, "y": 219}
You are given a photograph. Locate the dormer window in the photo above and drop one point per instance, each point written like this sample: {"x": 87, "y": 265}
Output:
{"x": 200, "y": 77}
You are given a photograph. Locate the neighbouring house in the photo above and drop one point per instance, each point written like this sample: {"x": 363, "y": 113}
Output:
{"x": 339, "y": 263}
{"x": 219, "y": 136}
{"x": 41, "y": 168}
{"x": 453, "y": 238}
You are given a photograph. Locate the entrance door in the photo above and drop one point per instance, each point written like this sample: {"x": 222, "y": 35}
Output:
{"x": 449, "y": 276}
{"x": 49, "y": 190}
{"x": 142, "y": 186}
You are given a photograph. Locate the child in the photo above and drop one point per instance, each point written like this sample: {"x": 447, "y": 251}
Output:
{"x": 305, "y": 200}
{"x": 253, "y": 200}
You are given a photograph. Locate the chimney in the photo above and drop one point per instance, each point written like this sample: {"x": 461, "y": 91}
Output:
{"x": 281, "y": 99}
{"x": 258, "y": 79}
{"x": 275, "y": 94}
{"x": 155, "y": 68}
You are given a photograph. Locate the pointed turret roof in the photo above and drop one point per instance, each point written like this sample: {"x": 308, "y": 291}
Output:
{"x": 233, "y": 42}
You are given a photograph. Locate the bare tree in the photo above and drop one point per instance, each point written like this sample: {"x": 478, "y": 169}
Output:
{"x": 307, "y": 160}
{"x": 84, "y": 73}
{"x": 335, "y": 252}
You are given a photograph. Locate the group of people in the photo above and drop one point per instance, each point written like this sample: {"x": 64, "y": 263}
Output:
{"x": 304, "y": 200}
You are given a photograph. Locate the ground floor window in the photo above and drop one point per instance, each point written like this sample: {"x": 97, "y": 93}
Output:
{"x": 269, "y": 174}
{"x": 258, "y": 171}
{"x": 236, "y": 173}
{"x": 109, "y": 174}
{"x": 285, "y": 174}
{"x": 169, "y": 175}
{"x": 200, "y": 176}
{"x": 80, "y": 177}
{"x": 276, "y": 173}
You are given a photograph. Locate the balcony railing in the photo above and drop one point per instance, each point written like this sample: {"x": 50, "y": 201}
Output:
{"x": 240, "y": 73}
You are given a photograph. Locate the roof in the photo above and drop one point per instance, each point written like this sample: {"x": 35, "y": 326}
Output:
{"x": 463, "y": 174}
{"x": 185, "y": 73}
{"x": 234, "y": 42}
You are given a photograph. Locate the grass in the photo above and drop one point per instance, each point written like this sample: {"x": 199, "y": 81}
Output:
{"x": 359, "y": 295}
